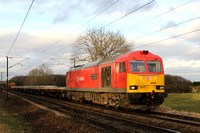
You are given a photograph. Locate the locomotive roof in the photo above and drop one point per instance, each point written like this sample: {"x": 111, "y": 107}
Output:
{"x": 136, "y": 55}
{"x": 97, "y": 63}
{"x": 139, "y": 55}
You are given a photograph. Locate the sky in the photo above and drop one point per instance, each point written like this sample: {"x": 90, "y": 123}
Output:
{"x": 169, "y": 29}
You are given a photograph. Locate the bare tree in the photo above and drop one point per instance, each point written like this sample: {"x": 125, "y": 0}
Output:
{"x": 96, "y": 44}
{"x": 32, "y": 77}
{"x": 40, "y": 76}
{"x": 44, "y": 70}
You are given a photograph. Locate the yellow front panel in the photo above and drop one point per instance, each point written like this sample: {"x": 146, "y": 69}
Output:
{"x": 146, "y": 83}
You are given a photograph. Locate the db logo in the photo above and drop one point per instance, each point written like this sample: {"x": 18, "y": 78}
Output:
{"x": 148, "y": 78}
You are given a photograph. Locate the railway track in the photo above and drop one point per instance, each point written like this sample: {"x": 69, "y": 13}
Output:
{"x": 193, "y": 121}
{"x": 107, "y": 120}
{"x": 184, "y": 117}
{"x": 187, "y": 120}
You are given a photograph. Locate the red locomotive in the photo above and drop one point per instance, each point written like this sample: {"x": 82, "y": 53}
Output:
{"x": 133, "y": 80}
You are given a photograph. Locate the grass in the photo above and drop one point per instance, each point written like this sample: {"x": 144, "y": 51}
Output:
{"x": 189, "y": 102}
{"x": 11, "y": 122}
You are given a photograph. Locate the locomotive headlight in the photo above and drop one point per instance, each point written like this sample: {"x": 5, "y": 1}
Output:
{"x": 133, "y": 87}
{"x": 160, "y": 87}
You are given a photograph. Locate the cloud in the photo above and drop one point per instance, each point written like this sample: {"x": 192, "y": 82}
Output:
{"x": 65, "y": 11}
{"x": 35, "y": 42}
{"x": 180, "y": 62}
{"x": 168, "y": 24}
{"x": 190, "y": 27}
{"x": 16, "y": 4}
{"x": 192, "y": 8}
{"x": 69, "y": 9}
{"x": 179, "y": 49}
{"x": 88, "y": 8}
{"x": 61, "y": 18}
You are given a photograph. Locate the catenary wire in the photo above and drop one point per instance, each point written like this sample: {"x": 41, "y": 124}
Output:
{"x": 167, "y": 38}
{"x": 160, "y": 30}
{"x": 170, "y": 27}
{"x": 106, "y": 25}
{"x": 152, "y": 43}
{"x": 79, "y": 27}
{"x": 147, "y": 20}
{"x": 133, "y": 26}
{"x": 128, "y": 13}
{"x": 67, "y": 46}
{"x": 102, "y": 26}
{"x": 20, "y": 28}
{"x": 174, "y": 25}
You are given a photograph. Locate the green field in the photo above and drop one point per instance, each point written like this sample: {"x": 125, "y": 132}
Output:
{"x": 189, "y": 102}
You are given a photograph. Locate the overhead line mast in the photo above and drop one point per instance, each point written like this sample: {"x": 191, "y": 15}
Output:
{"x": 7, "y": 73}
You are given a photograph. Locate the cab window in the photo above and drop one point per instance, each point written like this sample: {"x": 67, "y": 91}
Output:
{"x": 154, "y": 66}
{"x": 137, "y": 66}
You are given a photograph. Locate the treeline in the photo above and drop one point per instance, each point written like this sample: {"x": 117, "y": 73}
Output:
{"x": 195, "y": 83}
{"x": 177, "y": 84}
{"x": 57, "y": 80}
{"x": 40, "y": 76}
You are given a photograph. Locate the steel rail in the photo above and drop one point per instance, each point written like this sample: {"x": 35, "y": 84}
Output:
{"x": 170, "y": 117}
{"x": 197, "y": 119}
{"x": 113, "y": 117}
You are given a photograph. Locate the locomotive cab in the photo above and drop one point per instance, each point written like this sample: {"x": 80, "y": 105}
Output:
{"x": 145, "y": 76}
{"x": 145, "y": 79}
